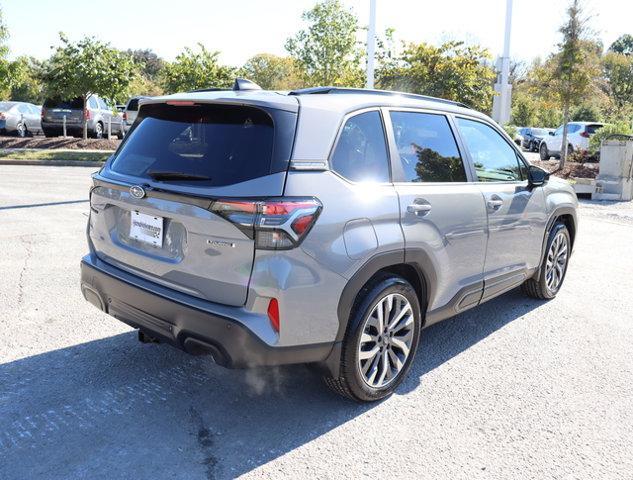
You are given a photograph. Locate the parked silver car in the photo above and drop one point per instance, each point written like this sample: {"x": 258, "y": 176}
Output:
{"x": 325, "y": 226}
{"x": 98, "y": 114}
{"x": 131, "y": 111}
{"x": 20, "y": 118}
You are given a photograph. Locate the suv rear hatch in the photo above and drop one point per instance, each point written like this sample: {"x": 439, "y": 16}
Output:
{"x": 175, "y": 203}
{"x": 54, "y": 110}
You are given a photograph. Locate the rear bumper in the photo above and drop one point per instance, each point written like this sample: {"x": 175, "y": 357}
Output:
{"x": 231, "y": 343}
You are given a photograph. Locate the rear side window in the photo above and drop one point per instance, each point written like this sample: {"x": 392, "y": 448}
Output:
{"x": 591, "y": 129}
{"x": 133, "y": 105}
{"x": 103, "y": 105}
{"x": 427, "y": 148}
{"x": 361, "y": 152}
{"x": 219, "y": 144}
{"x": 92, "y": 103}
{"x": 495, "y": 160}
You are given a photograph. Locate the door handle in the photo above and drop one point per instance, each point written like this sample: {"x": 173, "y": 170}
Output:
{"x": 495, "y": 203}
{"x": 419, "y": 208}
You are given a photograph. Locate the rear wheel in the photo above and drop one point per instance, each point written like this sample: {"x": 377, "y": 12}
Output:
{"x": 544, "y": 153}
{"x": 381, "y": 340}
{"x": 553, "y": 266}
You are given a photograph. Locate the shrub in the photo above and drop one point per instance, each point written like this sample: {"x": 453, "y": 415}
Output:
{"x": 511, "y": 130}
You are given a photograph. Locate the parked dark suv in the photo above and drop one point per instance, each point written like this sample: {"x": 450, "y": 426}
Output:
{"x": 324, "y": 226}
{"x": 98, "y": 114}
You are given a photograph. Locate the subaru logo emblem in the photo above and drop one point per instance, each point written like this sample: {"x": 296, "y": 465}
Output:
{"x": 137, "y": 191}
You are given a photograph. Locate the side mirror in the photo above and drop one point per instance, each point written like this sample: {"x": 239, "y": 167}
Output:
{"x": 551, "y": 133}
{"x": 537, "y": 176}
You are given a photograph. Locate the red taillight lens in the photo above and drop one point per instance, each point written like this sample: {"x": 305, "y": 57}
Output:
{"x": 584, "y": 134}
{"x": 278, "y": 224}
{"x": 87, "y": 114}
{"x": 125, "y": 116}
{"x": 273, "y": 314}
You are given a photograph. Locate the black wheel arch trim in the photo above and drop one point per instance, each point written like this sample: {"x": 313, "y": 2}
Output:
{"x": 554, "y": 216}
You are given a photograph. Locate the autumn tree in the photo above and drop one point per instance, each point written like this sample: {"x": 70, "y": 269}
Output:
{"x": 272, "y": 72}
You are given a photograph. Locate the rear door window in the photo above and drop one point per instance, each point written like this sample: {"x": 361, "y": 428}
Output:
{"x": 494, "y": 158}
{"x": 591, "y": 129}
{"x": 218, "y": 144}
{"x": 133, "y": 105}
{"x": 427, "y": 148}
{"x": 361, "y": 151}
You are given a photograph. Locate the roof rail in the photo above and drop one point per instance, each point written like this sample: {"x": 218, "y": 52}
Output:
{"x": 343, "y": 90}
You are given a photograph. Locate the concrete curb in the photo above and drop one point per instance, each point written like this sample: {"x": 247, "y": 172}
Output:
{"x": 52, "y": 163}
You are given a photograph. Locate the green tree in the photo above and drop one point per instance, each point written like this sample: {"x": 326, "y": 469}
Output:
{"x": 453, "y": 71}
{"x": 26, "y": 80}
{"x": 618, "y": 70}
{"x": 575, "y": 69}
{"x": 327, "y": 50}
{"x": 194, "y": 70}
{"x": 5, "y": 80}
{"x": 86, "y": 68}
{"x": 272, "y": 72}
{"x": 623, "y": 45}
{"x": 524, "y": 109}
{"x": 149, "y": 62}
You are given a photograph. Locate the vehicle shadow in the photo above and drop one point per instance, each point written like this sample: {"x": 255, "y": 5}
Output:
{"x": 114, "y": 408}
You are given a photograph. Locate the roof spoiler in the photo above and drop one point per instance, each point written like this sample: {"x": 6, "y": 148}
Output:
{"x": 240, "y": 85}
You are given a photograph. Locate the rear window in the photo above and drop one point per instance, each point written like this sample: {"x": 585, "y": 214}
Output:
{"x": 74, "y": 104}
{"x": 6, "y": 106}
{"x": 133, "y": 105}
{"x": 219, "y": 144}
{"x": 591, "y": 129}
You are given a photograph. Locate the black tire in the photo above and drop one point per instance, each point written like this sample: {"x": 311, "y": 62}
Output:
{"x": 570, "y": 150}
{"x": 48, "y": 133}
{"x": 537, "y": 287}
{"x": 120, "y": 135}
{"x": 351, "y": 383}
{"x": 543, "y": 152}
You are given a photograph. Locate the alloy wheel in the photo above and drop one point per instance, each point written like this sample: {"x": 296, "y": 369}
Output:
{"x": 556, "y": 261}
{"x": 386, "y": 340}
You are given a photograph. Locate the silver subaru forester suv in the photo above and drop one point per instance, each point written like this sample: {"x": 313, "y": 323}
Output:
{"x": 325, "y": 226}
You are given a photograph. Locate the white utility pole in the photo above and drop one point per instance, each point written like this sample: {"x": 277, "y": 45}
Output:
{"x": 371, "y": 44}
{"x": 501, "y": 111}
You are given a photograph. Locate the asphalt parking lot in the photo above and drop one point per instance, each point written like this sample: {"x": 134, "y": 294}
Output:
{"x": 516, "y": 388}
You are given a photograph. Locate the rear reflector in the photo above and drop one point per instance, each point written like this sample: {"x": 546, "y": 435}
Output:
{"x": 273, "y": 314}
{"x": 278, "y": 224}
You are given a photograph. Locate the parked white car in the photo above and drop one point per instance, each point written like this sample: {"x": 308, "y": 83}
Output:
{"x": 130, "y": 112}
{"x": 578, "y": 134}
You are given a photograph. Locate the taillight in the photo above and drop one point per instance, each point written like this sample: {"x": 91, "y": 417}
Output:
{"x": 278, "y": 224}
{"x": 87, "y": 114}
{"x": 125, "y": 116}
{"x": 584, "y": 134}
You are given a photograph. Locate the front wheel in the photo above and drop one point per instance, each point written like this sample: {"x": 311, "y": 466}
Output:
{"x": 381, "y": 340}
{"x": 553, "y": 266}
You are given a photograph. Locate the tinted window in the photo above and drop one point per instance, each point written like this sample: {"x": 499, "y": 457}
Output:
{"x": 591, "y": 129}
{"x": 495, "y": 160}
{"x": 74, "y": 104}
{"x": 427, "y": 148}
{"x": 227, "y": 144}
{"x": 361, "y": 151}
{"x": 133, "y": 105}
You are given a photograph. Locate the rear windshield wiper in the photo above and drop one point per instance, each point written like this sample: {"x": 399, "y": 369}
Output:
{"x": 160, "y": 175}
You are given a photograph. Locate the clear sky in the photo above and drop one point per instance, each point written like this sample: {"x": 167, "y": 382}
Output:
{"x": 242, "y": 28}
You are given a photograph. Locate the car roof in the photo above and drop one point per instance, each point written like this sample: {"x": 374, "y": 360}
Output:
{"x": 332, "y": 101}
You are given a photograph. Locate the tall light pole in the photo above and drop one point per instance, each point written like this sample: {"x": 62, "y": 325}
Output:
{"x": 371, "y": 44}
{"x": 501, "y": 105}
